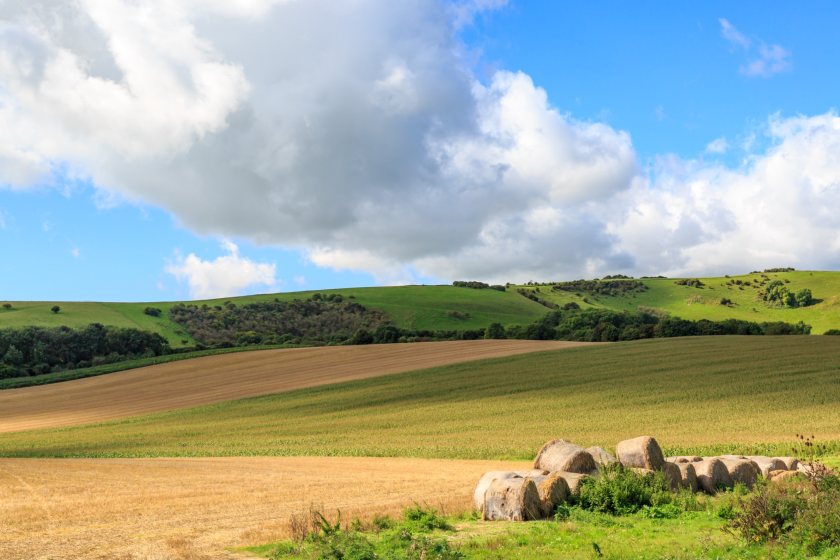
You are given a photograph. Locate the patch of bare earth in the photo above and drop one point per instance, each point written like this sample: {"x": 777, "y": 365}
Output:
{"x": 214, "y": 379}
{"x": 150, "y": 509}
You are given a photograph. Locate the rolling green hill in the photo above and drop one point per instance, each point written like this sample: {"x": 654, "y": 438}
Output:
{"x": 410, "y": 307}
{"x": 457, "y": 308}
{"x": 702, "y": 395}
{"x": 688, "y": 302}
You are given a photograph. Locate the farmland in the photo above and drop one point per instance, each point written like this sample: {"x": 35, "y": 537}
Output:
{"x": 709, "y": 394}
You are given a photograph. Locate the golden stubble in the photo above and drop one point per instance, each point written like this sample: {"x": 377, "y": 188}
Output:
{"x": 200, "y": 508}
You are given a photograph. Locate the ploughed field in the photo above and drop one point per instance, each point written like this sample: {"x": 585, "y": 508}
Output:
{"x": 213, "y": 379}
{"x": 705, "y": 396}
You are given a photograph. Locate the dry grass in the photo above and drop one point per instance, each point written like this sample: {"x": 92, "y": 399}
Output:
{"x": 233, "y": 376}
{"x": 188, "y": 509}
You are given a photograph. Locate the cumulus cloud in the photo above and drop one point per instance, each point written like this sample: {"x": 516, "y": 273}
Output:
{"x": 227, "y": 275}
{"x": 763, "y": 60}
{"x": 358, "y": 134}
{"x": 778, "y": 207}
{"x": 717, "y": 146}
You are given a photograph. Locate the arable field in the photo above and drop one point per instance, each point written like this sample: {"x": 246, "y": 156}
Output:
{"x": 190, "y": 509}
{"x": 409, "y": 307}
{"x": 225, "y": 377}
{"x": 699, "y": 395}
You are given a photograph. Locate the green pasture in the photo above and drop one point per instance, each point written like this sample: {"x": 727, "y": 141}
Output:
{"x": 687, "y": 302}
{"x": 410, "y": 307}
{"x": 702, "y": 395}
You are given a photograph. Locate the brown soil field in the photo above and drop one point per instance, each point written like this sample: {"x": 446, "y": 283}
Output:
{"x": 226, "y": 377}
{"x": 155, "y": 509}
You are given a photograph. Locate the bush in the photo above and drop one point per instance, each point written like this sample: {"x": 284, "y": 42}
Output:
{"x": 152, "y": 311}
{"x": 621, "y": 491}
{"x": 7, "y": 306}
{"x": 495, "y": 331}
{"x": 55, "y": 309}
{"x": 424, "y": 519}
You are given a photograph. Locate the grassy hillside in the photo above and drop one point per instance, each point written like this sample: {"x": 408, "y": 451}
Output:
{"x": 704, "y": 303}
{"x": 709, "y": 394}
{"x": 410, "y": 307}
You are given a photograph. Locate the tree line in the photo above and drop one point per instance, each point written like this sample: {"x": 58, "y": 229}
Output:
{"x": 38, "y": 350}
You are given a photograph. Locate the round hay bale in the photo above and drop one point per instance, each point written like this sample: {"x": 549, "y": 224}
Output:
{"x": 601, "y": 456}
{"x": 732, "y": 457}
{"x": 711, "y": 475}
{"x": 642, "y": 452}
{"x": 767, "y": 464}
{"x": 560, "y": 455}
{"x": 531, "y": 473}
{"x": 783, "y": 475}
{"x": 742, "y": 470}
{"x": 673, "y": 475}
{"x": 688, "y": 476}
{"x": 791, "y": 463}
{"x": 684, "y": 459}
{"x": 573, "y": 481}
{"x": 553, "y": 491}
{"x": 484, "y": 483}
{"x": 512, "y": 499}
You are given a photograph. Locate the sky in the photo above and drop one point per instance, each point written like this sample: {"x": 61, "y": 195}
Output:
{"x": 172, "y": 149}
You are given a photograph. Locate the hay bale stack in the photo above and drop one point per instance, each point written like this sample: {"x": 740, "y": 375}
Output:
{"x": 673, "y": 475}
{"x": 732, "y": 457}
{"x": 560, "y": 455}
{"x": 688, "y": 476}
{"x": 602, "y": 456}
{"x": 791, "y": 463}
{"x": 642, "y": 452}
{"x": 767, "y": 464}
{"x": 573, "y": 481}
{"x": 553, "y": 491}
{"x": 684, "y": 459}
{"x": 742, "y": 470}
{"x": 512, "y": 499}
{"x": 711, "y": 475}
{"x": 484, "y": 483}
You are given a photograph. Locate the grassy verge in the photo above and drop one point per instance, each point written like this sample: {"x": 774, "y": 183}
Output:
{"x": 704, "y": 395}
{"x": 68, "y": 375}
{"x": 580, "y": 534}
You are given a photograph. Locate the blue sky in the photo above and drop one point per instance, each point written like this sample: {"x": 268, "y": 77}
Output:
{"x": 674, "y": 105}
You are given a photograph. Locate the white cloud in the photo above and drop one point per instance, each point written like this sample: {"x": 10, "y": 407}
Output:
{"x": 300, "y": 280}
{"x": 777, "y": 208}
{"x": 75, "y": 252}
{"x": 227, "y": 275}
{"x": 731, "y": 34}
{"x": 717, "y": 146}
{"x": 772, "y": 59}
{"x": 763, "y": 60}
{"x": 365, "y": 141}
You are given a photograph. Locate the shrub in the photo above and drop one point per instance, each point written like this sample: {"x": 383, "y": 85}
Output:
{"x": 424, "y": 519}
{"x": 152, "y": 311}
{"x": 832, "y": 332}
{"x": 766, "y": 514}
{"x": 55, "y": 309}
{"x": 620, "y": 491}
{"x": 7, "y": 306}
{"x": 691, "y": 282}
{"x": 495, "y": 331}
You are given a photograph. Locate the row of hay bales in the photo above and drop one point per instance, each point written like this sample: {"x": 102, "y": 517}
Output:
{"x": 561, "y": 466}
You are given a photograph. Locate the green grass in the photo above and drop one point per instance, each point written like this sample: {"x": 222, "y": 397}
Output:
{"x": 410, "y": 307}
{"x": 704, "y": 303}
{"x": 703, "y": 395}
{"x": 690, "y": 535}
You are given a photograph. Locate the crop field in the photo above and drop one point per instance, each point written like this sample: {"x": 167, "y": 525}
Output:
{"x": 689, "y": 302}
{"x": 225, "y": 377}
{"x": 411, "y": 307}
{"x": 197, "y": 508}
{"x": 700, "y": 395}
